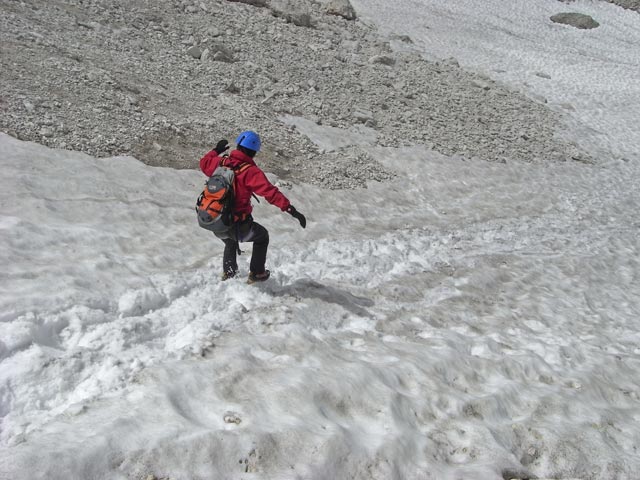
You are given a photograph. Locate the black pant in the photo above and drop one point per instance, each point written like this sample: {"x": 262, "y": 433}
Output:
{"x": 246, "y": 231}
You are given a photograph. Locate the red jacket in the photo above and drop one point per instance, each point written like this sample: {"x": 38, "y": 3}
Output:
{"x": 249, "y": 181}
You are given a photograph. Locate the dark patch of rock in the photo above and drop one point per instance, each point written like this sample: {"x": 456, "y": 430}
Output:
{"x": 577, "y": 20}
{"x": 341, "y": 8}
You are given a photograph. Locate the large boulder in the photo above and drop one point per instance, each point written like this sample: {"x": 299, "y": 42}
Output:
{"x": 341, "y": 8}
{"x": 293, "y": 11}
{"x": 578, "y": 20}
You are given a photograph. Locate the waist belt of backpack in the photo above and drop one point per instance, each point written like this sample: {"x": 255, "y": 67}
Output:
{"x": 239, "y": 218}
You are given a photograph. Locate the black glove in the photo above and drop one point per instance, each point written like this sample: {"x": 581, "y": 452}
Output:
{"x": 221, "y": 146}
{"x": 291, "y": 210}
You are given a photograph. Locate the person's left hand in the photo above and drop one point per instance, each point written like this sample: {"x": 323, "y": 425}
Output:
{"x": 221, "y": 146}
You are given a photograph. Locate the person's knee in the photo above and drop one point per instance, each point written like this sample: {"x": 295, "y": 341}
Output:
{"x": 264, "y": 238}
{"x": 260, "y": 234}
{"x": 230, "y": 244}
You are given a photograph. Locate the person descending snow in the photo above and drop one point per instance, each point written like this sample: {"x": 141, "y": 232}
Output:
{"x": 249, "y": 180}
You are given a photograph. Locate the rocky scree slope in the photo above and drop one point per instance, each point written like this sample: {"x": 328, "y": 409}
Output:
{"x": 628, "y": 4}
{"x": 164, "y": 80}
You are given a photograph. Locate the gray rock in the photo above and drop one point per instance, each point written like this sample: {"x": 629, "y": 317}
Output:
{"x": 480, "y": 84}
{"x": 363, "y": 116}
{"x": 383, "y": 59}
{"x": 195, "y": 52}
{"x": 451, "y": 61}
{"x": 349, "y": 46}
{"x": 213, "y": 32}
{"x": 255, "y": 3}
{"x": 295, "y": 12}
{"x": 46, "y": 132}
{"x": 577, "y": 20}
{"x": 403, "y": 38}
{"x": 301, "y": 19}
{"x": 221, "y": 56}
{"x": 218, "y": 52}
{"x": 341, "y": 8}
{"x": 232, "y": 88}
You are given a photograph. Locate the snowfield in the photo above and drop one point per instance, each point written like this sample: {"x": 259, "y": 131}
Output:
{"x": 464, "y": 320}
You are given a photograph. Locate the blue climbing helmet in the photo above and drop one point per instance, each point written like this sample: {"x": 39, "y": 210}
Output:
{"x": 249, "y": 140}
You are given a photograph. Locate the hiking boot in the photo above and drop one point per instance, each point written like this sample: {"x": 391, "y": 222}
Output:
{"x": 228, "y": 275}
{"x": 258, "y": 277}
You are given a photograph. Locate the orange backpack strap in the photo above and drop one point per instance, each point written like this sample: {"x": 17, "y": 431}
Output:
{"x": 242, "y": 167}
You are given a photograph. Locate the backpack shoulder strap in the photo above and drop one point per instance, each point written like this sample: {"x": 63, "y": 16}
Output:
{"x": 237, "y": 169}
{"x": 242, "y": 167}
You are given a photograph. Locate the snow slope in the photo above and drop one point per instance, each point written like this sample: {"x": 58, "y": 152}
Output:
{"x": 465, "y": 320}
{"x": 489, "y": 320}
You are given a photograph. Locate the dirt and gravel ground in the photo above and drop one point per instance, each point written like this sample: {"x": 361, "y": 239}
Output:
{"x": 163, "y": 80}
